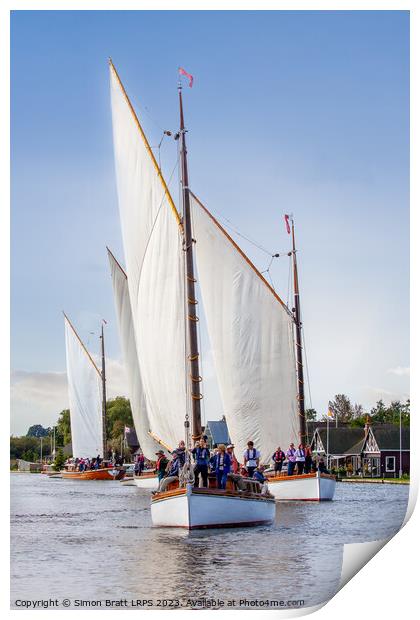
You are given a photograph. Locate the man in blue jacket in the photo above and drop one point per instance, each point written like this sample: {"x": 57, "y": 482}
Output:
{"x": 223, "y": 464}
{"x": 201, "y": 455}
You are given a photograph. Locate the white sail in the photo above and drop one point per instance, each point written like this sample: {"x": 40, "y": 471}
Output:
{"x": 154, "y": 262}
{"x": 129, "y": 351}
{"x": 85, "y": 397}
{"x": 251, "y": 335}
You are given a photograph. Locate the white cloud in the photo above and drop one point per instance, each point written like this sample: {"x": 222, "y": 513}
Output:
{"x": 38, "y": 397}
{"x": 400, "y": 371}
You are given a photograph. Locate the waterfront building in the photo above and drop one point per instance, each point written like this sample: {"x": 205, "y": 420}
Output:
{"x": 373, "y": 451}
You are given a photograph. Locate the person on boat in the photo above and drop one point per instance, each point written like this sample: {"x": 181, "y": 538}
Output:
{"x": 251, "y": 458}
{"x": 98, "y": 460}
{"x": 291, "y": 459}
{"x": 308, "y": 459}
{"x": 161, "y": 464}
{"x": 181, "y": 452}
{"x": 300, "y": 458}
{"x": 175, "y": 464}
{"x": 234, "y": 467}
{"x": 139, "y": 464}
{"x": 321, "y": 466}
{"x": 278, "y": 457}
{"x": 222, "y": 463}
{"x": 259, "y": 474}
{"x": 212, "y": 461}
{"x": 201, "y": 455}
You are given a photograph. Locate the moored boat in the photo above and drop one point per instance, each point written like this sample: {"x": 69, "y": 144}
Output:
{"x": 104, "y": 473}
{"x": 314, "y": 486}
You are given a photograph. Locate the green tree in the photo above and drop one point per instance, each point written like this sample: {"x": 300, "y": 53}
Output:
{"x": 341, "y": 408}
{"x": 311, "y": 415}
{"x": 381, "y": 414}
{"x": 37, "y": 430}
{"x": 59, "y": 461}
{"x": 118, "y": 415}
{"x": 31, "y": 446}
{"x": 63, "y": 429}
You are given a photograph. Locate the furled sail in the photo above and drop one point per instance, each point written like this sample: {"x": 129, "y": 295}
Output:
{"x": 129, "y": 351}
{"x": 154, "y": 262}
{"x": 85, "y": 397}
{"x": 251, "y": 335}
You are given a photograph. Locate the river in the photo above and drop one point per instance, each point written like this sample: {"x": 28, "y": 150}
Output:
{"x": 93, "y": 541}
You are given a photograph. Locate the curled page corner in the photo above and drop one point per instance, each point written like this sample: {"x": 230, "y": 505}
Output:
{"x": 356, "y": 555}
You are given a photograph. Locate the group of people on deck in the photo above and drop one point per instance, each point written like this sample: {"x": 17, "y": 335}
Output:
{"x": 222, "y": 461}
{"x": 84, "y": 464}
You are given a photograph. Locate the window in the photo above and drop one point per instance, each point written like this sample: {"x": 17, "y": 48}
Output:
{"x": 390, "y": 463}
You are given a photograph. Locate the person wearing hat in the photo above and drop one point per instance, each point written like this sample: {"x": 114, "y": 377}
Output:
{"x": 161, "y": 464}
{"x": 175, "y": 464}
{"x": 234, "y": 466}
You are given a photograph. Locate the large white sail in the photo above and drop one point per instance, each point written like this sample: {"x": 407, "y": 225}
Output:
{"x": 251, "y": 335}
{"x": 129, "y": 351}
{"x": 154, "y": 263}
{"x": 85, "y": 397}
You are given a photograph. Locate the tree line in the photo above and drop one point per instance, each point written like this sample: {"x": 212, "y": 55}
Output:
{"x": 354, "y": 414}
{"x": 28, "y": 447}
{"x": 119, "y": 415}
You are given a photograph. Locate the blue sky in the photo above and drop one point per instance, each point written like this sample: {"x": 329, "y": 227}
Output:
{"x": 303, "y": 112}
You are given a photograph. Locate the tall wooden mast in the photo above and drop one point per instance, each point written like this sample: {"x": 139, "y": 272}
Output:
{"x": 103, "y": 394}
{"x": 193, "y": 355}
{"x": 299, "y": 358}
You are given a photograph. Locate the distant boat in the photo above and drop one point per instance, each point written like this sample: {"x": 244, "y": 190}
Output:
{"x": 87, "y": 397}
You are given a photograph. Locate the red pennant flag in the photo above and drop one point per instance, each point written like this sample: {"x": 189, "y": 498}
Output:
{"x": 286, "y": 219}
{"x": 188, "y": 75}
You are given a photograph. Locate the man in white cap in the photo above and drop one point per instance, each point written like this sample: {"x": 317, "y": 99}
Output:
{"x": 234, "y": 467}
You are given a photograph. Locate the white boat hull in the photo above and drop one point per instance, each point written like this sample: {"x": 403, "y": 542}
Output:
{"x": 307, "y": 487}
{"x": 146, "y": 482}
{"x": 194, "y": 509}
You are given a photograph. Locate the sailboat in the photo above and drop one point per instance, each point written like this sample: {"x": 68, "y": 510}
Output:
{"x": 160, "y": 264}
{"x": 87, "y": 397}
{"x": 148, "y": 445}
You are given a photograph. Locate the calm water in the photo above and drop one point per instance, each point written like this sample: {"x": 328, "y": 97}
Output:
{"x": 94, "y": 541}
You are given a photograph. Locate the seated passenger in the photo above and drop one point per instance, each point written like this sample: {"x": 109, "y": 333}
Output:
{"x": 321, "y": 467}
{"x": 174, "y": 465}
{"x": 259, "y": 474}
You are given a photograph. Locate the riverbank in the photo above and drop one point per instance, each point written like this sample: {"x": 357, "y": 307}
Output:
{"x": 375, "y": 480}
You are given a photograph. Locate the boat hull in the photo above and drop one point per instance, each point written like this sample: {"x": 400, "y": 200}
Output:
{"x": 307, "y": 487}
{"x": 194, "y": 508}
{"x": 109, "y": 473}
{"x": 146, "y": 481}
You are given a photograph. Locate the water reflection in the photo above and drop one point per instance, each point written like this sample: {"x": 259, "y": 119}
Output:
{"x": 85, "y": 531}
